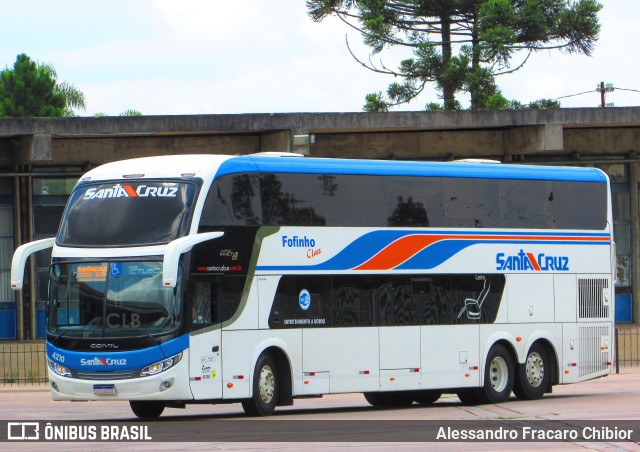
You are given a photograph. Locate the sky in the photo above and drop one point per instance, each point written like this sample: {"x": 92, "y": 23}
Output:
{"x": 168, "y": 57}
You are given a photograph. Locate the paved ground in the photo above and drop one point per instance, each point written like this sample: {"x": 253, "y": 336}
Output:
{"x": 614, "y": 398}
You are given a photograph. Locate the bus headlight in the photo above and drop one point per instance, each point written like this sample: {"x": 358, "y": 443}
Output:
{"x": 161, "y": 366}
{"x": 59, "y": 369}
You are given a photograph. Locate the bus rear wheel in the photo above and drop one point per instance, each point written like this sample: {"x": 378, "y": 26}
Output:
{"x": 532, "y": 377}
{"x": 146, "y": 409}
{"x": 265, "y": 388}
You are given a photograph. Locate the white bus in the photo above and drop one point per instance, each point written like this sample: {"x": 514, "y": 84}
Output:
{"x": 260, "y": 279}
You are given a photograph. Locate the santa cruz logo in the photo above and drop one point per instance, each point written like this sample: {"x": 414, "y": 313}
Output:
{"x": 103, "y": 362}
{"x": 128, "y": 191}
{"x": 528, "y": 261}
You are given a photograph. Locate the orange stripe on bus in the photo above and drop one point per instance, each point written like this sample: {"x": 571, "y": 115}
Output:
{"x": 399, "y": 251}
{"x": 406, "y": 247}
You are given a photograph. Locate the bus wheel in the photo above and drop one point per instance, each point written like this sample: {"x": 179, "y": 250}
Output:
{"x": 265, "y": 388}
{"x": 498, "y": 376}
{"x": 469, "y": 396}
{"x": 532, "y": 378}
{"x": 374, "y": 398}
{"x": 146, "y": 410}
{"x": 427, "y": 397}
{"x": 390, "y": 399}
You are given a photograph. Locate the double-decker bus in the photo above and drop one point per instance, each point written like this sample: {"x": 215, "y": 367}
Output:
{"x": 260, "y": 279}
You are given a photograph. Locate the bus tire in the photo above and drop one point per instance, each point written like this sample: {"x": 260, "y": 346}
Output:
{"x": 374, "y": 398}
{"x": 498, "y": 376}
{"x": 146, "y": 409}
{"x": 427, "y": 397}
{"x": 265, "y": 388}
{"x": 390, "y": 399}
{"x": 532, "y": 377}
{"x": 469, "y": 396}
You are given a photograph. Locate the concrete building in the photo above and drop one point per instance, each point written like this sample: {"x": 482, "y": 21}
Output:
{"x": 41, "y": 159}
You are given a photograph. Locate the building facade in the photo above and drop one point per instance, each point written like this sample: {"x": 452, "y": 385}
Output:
{"x": 41, "y": 160}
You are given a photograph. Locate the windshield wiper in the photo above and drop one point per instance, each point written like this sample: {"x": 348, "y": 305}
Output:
{"x": 56, "y": 339}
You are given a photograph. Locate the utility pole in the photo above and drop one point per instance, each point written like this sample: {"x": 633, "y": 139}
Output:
{"x": 608, "y": 88}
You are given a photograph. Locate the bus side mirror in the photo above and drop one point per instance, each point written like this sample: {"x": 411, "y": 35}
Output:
{"x": 173, "y": 251}
{"x": 20, "y": 257}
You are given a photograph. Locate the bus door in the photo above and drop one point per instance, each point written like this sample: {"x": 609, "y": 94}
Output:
{"x": 205, "y": 339}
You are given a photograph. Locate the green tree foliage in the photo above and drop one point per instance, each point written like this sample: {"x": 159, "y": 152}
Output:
{"x": 461, "y": 45}
{"x": 375, "y": 102}
{"x": 131, "y": 112}
{"x": 32, "y": 90}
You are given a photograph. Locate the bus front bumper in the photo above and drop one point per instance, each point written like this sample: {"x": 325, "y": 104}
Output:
{"x": 172, "y": 384}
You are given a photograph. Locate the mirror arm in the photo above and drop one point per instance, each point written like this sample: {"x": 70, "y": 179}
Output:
{"x": 175, "y": 249}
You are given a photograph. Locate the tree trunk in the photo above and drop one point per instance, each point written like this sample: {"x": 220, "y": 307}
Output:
{"x": 448, "y": 88}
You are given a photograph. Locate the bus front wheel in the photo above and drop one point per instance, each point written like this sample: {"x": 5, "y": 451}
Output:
{"x": 532, "y": 377}
{"x": 265, "y": 388}
{"x": 146, "y": 410}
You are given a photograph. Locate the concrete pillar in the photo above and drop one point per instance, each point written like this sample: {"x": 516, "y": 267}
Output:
{"x": 37, "y": 147}
{"x": 635, "y": 230}
{"x": 279, "y": 141}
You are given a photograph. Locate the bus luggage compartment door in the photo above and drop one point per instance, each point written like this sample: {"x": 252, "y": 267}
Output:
{"x": 399, "y": 358}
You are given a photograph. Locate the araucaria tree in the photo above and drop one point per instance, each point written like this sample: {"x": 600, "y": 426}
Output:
{"x": 32, "y": 90}
{"x": 461, "y": 45}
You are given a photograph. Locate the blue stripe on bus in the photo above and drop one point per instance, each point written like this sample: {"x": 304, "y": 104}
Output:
{"x": 307, "y": 165}
{"x": 100, "y": 361}
{"x": 369, "y": 245}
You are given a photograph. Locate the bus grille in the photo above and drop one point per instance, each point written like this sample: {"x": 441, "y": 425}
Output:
{"x": 593, "y": 358}
{"x": 591, "y": 299}
{"x": 121, "y": 375}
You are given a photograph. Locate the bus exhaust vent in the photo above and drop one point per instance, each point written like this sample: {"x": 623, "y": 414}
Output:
{"x": 593, "y": 299}
{"x": 594, "y": 349}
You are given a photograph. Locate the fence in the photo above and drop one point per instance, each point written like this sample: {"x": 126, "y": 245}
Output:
{"x": 25, "y": 363}
{"x": 627, "y": 347}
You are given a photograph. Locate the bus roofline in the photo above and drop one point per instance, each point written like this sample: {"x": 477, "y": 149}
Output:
{"x": 173, "y": 251}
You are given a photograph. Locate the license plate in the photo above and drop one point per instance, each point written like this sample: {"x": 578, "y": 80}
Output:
{"x": 104, "y": 389}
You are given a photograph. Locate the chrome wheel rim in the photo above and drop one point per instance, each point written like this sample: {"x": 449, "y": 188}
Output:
{"x": 266, "y": 384}
{"x": 499, "y": 374}
{"x": 534, "y": 369}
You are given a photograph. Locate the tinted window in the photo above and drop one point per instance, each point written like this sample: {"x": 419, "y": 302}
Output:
{"x": 132, "y": 213}
{"x": 527, "y": 204}
{"x": 302, "y": 301}
{"x": 470, "y": 203}
{"x": 213, "y": 299}
{"x": 292, "y": 199}
{"x": 232, "y": 201}
{"x": 385, "y": 300}
{"x": 403, "y": 201}
{"x": 580, "y": 205}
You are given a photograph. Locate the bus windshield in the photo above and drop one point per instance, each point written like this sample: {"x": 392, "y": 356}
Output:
{"x": 110, "y": 299}
{"x": 119, "y": 214}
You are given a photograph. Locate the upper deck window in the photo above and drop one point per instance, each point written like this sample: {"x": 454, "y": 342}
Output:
{"x": 362, "y": 200}
{"x": 131, "y": 213}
